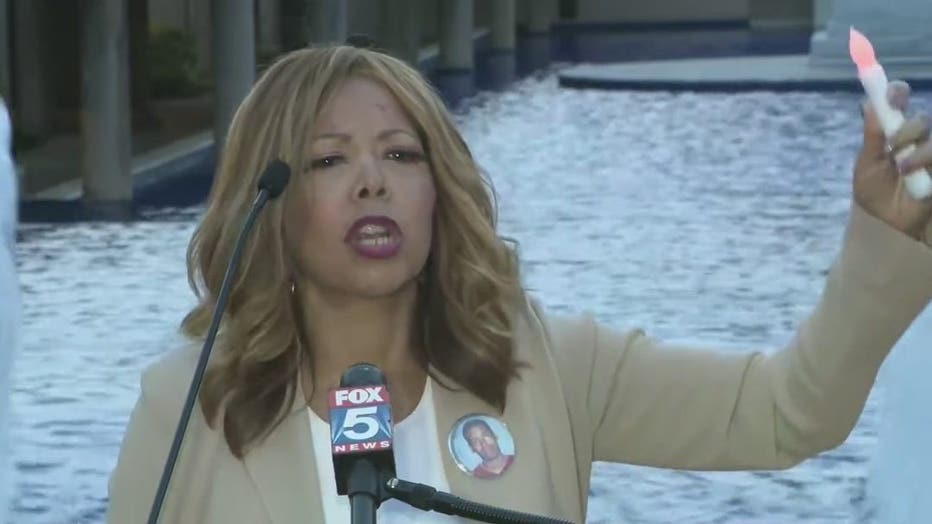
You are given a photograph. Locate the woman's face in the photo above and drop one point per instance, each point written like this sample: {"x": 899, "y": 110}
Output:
{"x": 360, "y": 220}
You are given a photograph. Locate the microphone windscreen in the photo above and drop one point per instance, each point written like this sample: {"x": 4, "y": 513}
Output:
{"x": 360, "y": 423}
{"x": 361, "y": 374}
{"x": 275, "y": 178}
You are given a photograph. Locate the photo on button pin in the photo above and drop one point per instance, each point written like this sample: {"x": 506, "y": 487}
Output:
{"x": 482, "y": 446}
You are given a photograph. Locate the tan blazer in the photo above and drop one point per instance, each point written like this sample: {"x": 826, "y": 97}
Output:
{"x": 593, "y": 393}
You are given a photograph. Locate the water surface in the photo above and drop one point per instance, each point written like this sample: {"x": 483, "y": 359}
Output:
{"x": 703, "y": 218}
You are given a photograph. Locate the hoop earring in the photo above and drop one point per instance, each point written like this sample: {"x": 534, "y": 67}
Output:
{"x": 292, "y": 288}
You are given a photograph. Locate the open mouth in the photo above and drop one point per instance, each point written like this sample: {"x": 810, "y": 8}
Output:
{"x": 376, "y": 237}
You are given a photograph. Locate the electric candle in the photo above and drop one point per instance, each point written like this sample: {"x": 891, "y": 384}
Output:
{"x": 874, "y": 80}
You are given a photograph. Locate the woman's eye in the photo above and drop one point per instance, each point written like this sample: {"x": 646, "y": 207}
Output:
{"x": 324, "y": 162}
{"x": 404, "y": 155}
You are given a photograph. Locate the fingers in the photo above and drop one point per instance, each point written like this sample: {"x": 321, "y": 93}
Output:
{"x": 898, "y": 94}
{"x": 874, "y": 142}
{"x": 916, "y": 129}
{"x": 919, "y": 158}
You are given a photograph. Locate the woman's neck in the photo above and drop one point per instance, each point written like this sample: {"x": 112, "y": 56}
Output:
{"x": 343, "y": 331}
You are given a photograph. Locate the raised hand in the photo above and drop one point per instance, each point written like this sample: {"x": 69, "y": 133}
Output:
{"x": 878, "y": 187}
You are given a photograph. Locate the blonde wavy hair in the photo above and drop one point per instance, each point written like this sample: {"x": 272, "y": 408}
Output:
{"x": 472, "y": 286}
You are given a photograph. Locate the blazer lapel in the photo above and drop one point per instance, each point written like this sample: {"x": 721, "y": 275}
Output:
{"x": 526, "y": 484}
{"x": 543, "y": 388}
{"x": 284, "y": 471}
{"x": 449, "y": 406}
{"x": 543, "y": 477}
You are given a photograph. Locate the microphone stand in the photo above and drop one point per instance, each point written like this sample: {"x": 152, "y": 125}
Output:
{"x": 360, "y": 476}
{"x": 271, "y": 185}
{"x": 364, "y": 492}
{"x": 426, "y": 498}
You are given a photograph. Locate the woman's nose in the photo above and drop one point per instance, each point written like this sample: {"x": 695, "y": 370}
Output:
{"x": 372, "y": 182}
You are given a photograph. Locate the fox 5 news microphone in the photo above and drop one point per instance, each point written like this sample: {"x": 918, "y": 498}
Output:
{"x": 361, "y": 436}
{"x": 361, "y": 439}
{"x": 271, "y": 184}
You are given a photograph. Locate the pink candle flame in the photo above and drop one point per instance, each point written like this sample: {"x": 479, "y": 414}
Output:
{"x": 861, "y": 50}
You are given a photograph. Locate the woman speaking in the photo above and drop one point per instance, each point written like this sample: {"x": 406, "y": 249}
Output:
{"x": 383, "y": 249}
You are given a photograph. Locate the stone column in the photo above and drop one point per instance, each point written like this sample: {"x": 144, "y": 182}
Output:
{"x": 454, "y": 74}
{"x": 31, "y": 103}
{"x": 536, "y": 46}
{"x": 456, "y": 26}
{"x": 540, "y": 15}
{"x": 5, "y": 29}
{"x": 501, "y": 58}
{"x": 821, "y": 10}
{"x": 105, "y": 115}
{"x": 139, "y": 64}
{"x": 269, "y": 23}
{"x": 503, "y": 24}
{"x": 400, "y": 29}
{"x": 199, "y": 22}
{"x": 901, "y": 32}
{"x": 327, "y": 21}
{"x": 293, "y": 16}
{"x": 234, "y": 60}
{"x": 767, "y": 14}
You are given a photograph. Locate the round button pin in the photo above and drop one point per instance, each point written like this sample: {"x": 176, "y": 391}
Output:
{"x": 481, "y": 446}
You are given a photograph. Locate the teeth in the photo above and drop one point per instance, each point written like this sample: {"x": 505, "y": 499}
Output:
{"x": 375, "y": 241}
{"x": 373, "y": 230}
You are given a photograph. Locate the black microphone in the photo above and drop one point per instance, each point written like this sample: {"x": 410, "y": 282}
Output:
{"x": 271, "y": 184}
{"x": 361, "y": 439}
{"x": 361, "y": 442}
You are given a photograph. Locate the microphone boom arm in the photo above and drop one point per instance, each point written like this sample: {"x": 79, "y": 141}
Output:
{"x": 260, "y": 201}
{"x": 426, "y": 498}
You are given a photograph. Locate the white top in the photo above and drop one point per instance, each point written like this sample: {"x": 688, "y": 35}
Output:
{"x": 417, "y": 459}
{"x": 10, "y": 307}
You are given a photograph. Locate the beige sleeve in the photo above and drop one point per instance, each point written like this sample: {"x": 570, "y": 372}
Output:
{"x": 659, "y": 405}
{"x": 135, "y": 478}
{"x": 139, "y": 466}
{"x": 147, "y": 441}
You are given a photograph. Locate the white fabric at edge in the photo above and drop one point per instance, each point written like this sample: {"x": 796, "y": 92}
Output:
{"x": 10, "y": 303}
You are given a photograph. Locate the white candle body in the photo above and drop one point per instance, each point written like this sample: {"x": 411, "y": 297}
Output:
{"x": 874, "y": 80}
